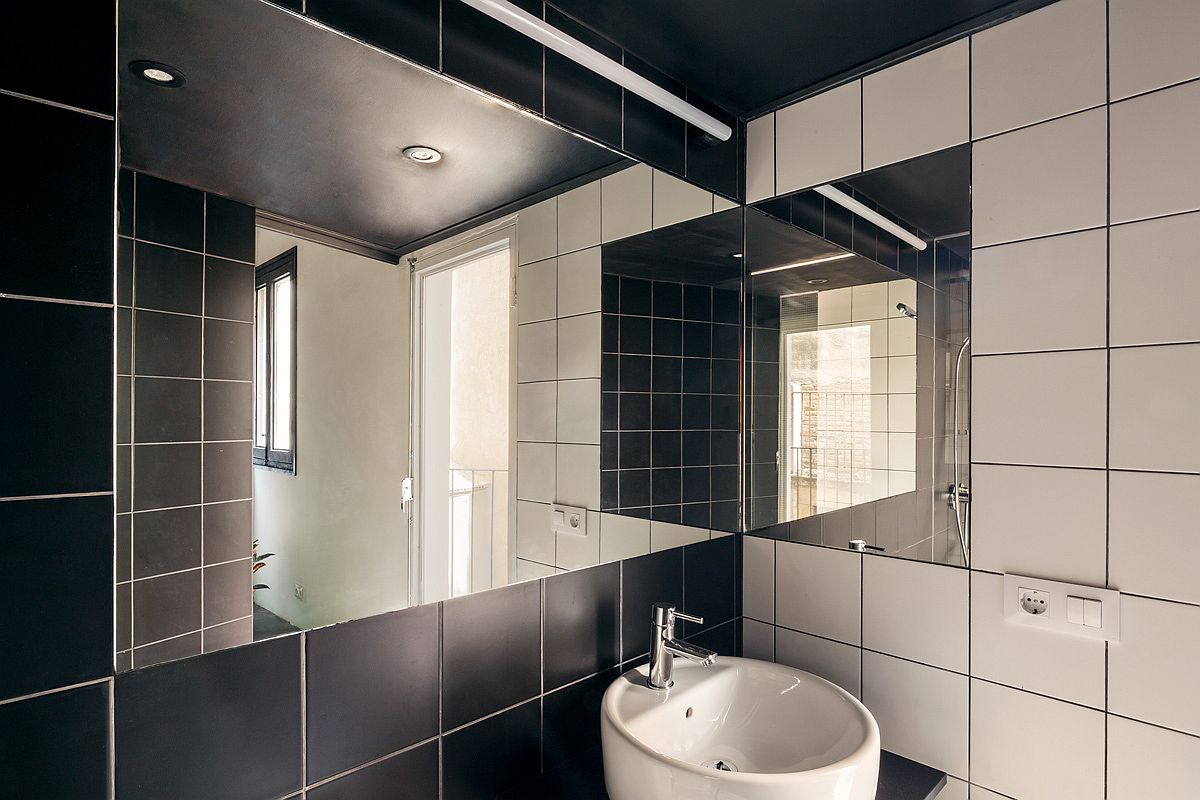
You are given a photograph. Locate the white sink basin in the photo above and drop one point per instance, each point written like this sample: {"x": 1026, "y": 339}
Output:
{"x": 788, "y": 734}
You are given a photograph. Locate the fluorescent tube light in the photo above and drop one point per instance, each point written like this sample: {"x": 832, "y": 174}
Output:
{"x": 809, "y": 262}
{"x": 874, "y": 217}
{"x": 522, "y": 21}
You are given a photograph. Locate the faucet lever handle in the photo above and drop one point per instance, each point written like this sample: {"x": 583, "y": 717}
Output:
{"x": 687, "y": 617}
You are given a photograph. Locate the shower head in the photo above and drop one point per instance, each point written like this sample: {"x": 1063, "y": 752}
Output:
{"x": 906, "y": 311}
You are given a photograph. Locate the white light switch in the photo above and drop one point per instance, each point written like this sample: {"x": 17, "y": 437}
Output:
{"x": 1075, "y": 610}
{"x": 1067, "y": 608}
{"x": 568, "y": 519}
{"x": 1092, "y": 613}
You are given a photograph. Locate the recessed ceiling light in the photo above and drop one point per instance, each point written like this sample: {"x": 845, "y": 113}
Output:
{"x": 421, "y": 154}
{"x": 817, "y": 281}
{"x": 735, "y": 255}
{"x": 157, "y": 73}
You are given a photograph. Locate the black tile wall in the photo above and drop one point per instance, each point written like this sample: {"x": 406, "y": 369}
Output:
{"x": 580, "y": 629}
{"x": 409, "y": 29}
{"x": 491, "y": 756}
{"x": 656, "y": 578}
{"x": 762, "y": 406}
{"x": 56, "y": 745}
{"x": 86, "y": 50}
{"x": 492, "y": 56}
{"x": 411, "y": 775}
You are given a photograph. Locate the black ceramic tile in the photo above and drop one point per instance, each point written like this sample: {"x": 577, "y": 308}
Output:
{"x": 666, "y": 374}
{"x": 724, "y": 484}
{"x": 634, "y": 488}
{"x": 124, "y": 341}
{"x": 229, "y": 634}
{"x": 168, "y": 279}
{"x": 764, "y": 479}
{"x": 125, "y": 202}
{"x": 697, "y": 375}
{"x": 166, "y": 344}
{"x": 667, "y": 337}
{"x": 667, "y": 300}
{"x": 491, "y": 56}
{"x": 169, "y": 213}
{"x": 581, "y": 626}
{"x": 697, "y": 339}
{"x": 609, "y": 449}
{"x": 646, "y": 580}
{"x": 372, "y": 688}
{"x": 610, "y": 294}
{"x": 578, "y": 97}
{"x": 64, "y": 636}
{"x": 57, "y": 430}
{"x": 229, "y": 229}
{"x": 724, "y": 448}
{"x": 667, "y": 513}
{"x": 696, "y": 411}
{"x": 635, "y": 412}
{"x": 665, "y": 486}
{"x": 722, "y": 639}
{"x": 726, "y": 307}
{"x": 635, "y": 296}
{"x": 123, "y": 410}
{"x": 56, "y": 745}
{"x": 408, "y": 29}
{"x": 609, "y": 493}
{"x": 227, "y": 472}
{"x": 166, "y": 410}
{"x": 123, "y": 478}
{"x": 697, "y": 303}
{"x": 610, "y": 333}
{"x": 725, "y": 515}
{"x": 610, "y": 371}
{"x": 57, "y": 237}
{"x": 665, "y": 448}
{"x": 634, "y": 373}
{"x": 490, "y": 645}
{"x": 766, "y": 344}
{"x": 125, "y": 249}
{"x": 124, "y": 548}
{"x": 166, "y": 476}
{"x": 695, "y": 485}
{"x": 228, "y": 350}
{"x": 166, "y": 606}
{"x": 227, "y": 592}
{"x": 580, "y": 778}
{"x": 609, "y": 409}
{"x": 635, "y": 334}
{"x": 571, "y": 719}
{"x": 228, "y": 410}
{"x": 666, "y": 411}
{"x": 806, "y": 530}
{"x": 88, "y": 52}
{"x": 695, "y": 448}
{"x": 228, "y": 289}
{"x": 711, "y": 585}
{"x": 227, "y": 531}
{"x": 715, "y": 165}
{"x": 695, "y": 514}
{"x": 411, "y": 775}
{"x": 489, "y": 757}
{"x": 166, "y": 541}
{"x": 725, "y": 376}
{"x": 652, "y": 134}
{"x": 233, "y": 719}
{"x": 633, "y": 449}
{"x": 726, "y": 341}
{"x": 123, "y": 614}
{"x": 175, "y": 649}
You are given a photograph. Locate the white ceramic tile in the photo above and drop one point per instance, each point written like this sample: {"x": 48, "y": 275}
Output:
{"x": 1066, "y": 667}
{"x": 953, "y": 790}
{"x": 902, "y": 337}
{"x": 579, "y": 347}
{"x": 835, "y": 662}
{"x": 1152, "y": 670}
{"x": 879, "y": 375}
{"x": 833, "y": 306}
{"x": 577, "y": 552}
{"x": 722, "y": 203}
{"x": 817, "y": 591}
{"x": 758, "y": 578}
{"x": 869, "y": 301}
{"x": 1152, "y": 44}
{"x": 904, "y": 291}
{"x": 902, "y": 452}
{"x": 535, "y": 471}
{"x": 1039, "y": 408}
{"x": 625, "y": 202}
{"x": 537, "y": 231}
{"x": 1155, "y": 284}
{"x": 535, "y": 537}
{"x": 921, "y": 711}
{"x": 579, "y": 282}
{"x": 676, "y": 200}
{"x": 1040, "y": 65}
{"x": 879, "y": 411}
{"x": 916, "y": 611}
{"x": 760, "y": 159}
{"x": 1153, "y": 423}
{"x": 1156, "y": 153}
{"x": 665, "y": 535}
{"x": 578, "y": 471}
{"x": 535, "y": 411}
{"x": 902, "y": 413}
{"x": 979, "y": 793}
{"x": 1041, "y": 521}
{"x": 531, "y": 570}
{"x": 1049, "y": 178}
{"x": 917, "y": 106}
{"x": 900, "y": 481}
{"x": 902, "y": 374}
{"x": 579, "y": 411}
{"x": 1146, "y": 762}
{"x": 536, "y": 291}
{"x": 537, "y": 345}
{"x": 819, "y": 139}
{"x": 1068, "y": 310}
{"x": 1154, "y": 534}
{"x": 1067, "y": 762}
{"x": 758, "y": 640}
{"x": 579, "y": 218}
{"x": 623, "y": 537}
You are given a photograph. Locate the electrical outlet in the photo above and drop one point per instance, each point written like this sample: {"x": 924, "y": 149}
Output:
{"x": 299, "y": 592}
{"x": 1034, "y": 601}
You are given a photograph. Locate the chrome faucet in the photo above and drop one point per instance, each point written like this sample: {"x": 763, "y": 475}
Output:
{"x": 664, "y": 647}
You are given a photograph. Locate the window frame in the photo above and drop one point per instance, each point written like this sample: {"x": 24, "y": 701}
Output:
{"x": 265, "y": 276}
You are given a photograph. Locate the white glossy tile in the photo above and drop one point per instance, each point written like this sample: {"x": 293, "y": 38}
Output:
{"x": 1152, "y": 45}
{"x": 833, "y": 306}
{"x": 625, "y": 202}
{"x": 1155, "y": 285}
{"x": 1040, "y": 65}
{"x": 879, "y": 375}
{"x": 677, "y": 200}
{"x": 758, "y": 578}
{"x": 579, "y": 282}
{"x": 817, "y": 591}
{"x": 579, "y": 411}
{"x": 835, "y": 662}
{"x": 1045, "y": 179}
{"x": 537, "y": 347}
{"x": 917, "y": 106}
{"x": 1069, "y": 308}
{"x": 819, "y": 139}
{"x": 1154, "y": 534}
{"x": 535, "y": 537}
{"x": 902, "y": 337}
{"x": 537, "y": 291}
{"x": 1039, "y": 521}
{"x": 916, "y": 611}
{"x": 623, "y": 537}
{"x": 758, "y": 640}
{"x": 869, "y": 301}
{"x": 1040, "y": 408}
{"x": 1156, "y": 153}
{"x": 902, "y": 452}
{"x": 1067, "y": 762}
{"x": 576, "y": 552}
{"x": 537, "y": 231}
{"x": 902, "y": 374}
{"x": 579, "y": 218}
{"x": 579, "y": 347}
{"x": 1153, "y": 422}
{"x": 1152, "y": 670}
{"x": 954, "y": 789}
{"x": 903, "y": 291}
{"x": 921, "y": 711}
{"x": 760, "y": 158}
{"x": 1066, "y": 667}
{"x": 1147, "y": 762}
{"x": 902, "y": 413}
{"x": 879, "y": 412}
{"x": 722, "y": 203}
{"x": 666, "y": 535}
{"x": 536, "y": 411}
{"x": 535, "y": 471}
{"x": 578, "y": 475}
{"x": 979, "y": 793}
{"x": 532, "y": 570}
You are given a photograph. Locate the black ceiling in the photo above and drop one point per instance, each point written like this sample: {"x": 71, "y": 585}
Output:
{"x": 746, "y": 54}
{"x": 308, "y": 124}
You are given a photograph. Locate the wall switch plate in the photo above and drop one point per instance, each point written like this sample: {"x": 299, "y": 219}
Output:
{"x": 1068, "y": 608}
{"x": 571, "y": 520}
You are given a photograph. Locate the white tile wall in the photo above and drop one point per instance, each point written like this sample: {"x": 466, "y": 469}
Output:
{"x": 578, "y": 475}
{"x": 537, "y": 232}
{"x": 535, "y": 471}
{"x": 819, "y": 139}
{"x": 1145, "y": 761}
{"x": 666, "y": 535}
{"x": 677, "y": 201}
{"x": 576, "y": 552}
{"x": 1156, "y": 153}
{"x": 579, "y": 218}
{"x": 536, "y": 288}
{"x": 1152, "y": 44}
{"x": 535, "y": 539}
{"x": 1152, "y": 670}
{"x": 535, "y": 411}
{"x": 954, "y": 790}
{"x": 758, "y": 578}
{"x": 817, "y": 591}
{"x": 623, "y": 537}
{"x": 579, "y": 282}
{"x": 578, "y": 411}
{"x": 1153, "y": 422}
{"x": 579, "y": 346}
{"x": 1155, "y": 284}
{"x": 1154, "y": 534}
{"x": 537, "y": 348}
{"x": 626, "y": 202}
{"x": 758, "y": 640}
{"x": 835, "y": 662}
{"x": 760, "y": 159}
{"x": 917, "y": 611}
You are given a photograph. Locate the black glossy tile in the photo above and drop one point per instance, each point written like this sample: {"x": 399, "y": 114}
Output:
{"x": 652, "y": 134}
{"x": 166, "y": 476}
{"x": 646, "y": 580}
{"x": 724, "y": 515}
{"x": 696, "y": 411}
{"x": 227, "y": 531}
{"x": 715, "y": 165}
{"x": 227, "y": 592}
{"x": 666, "y": 411}
{"x": 228, "y": 410}
{"x": 724, "y": 448}
{"x": 492, "y": 756}
{"x": 228, "y": 289}
{"x": 634, "y": 488}
{"x": 634, "y": 334}
{"x": 581, "y": 626}
{"x": 726, "y": 341}
{"x": 609, "y": 410}
{"x": 411, "y": 775}
{"x": 725, "y": 377}
{"x": 610, "y": 293}
{"x": 124, "y": 343}
{"x": 229, "y": 229}
{"x": 124, "y": 548}
{"x": 228, "y": 350}
{"x": 88, "y": 52}
{"x": 372, "y": 688}
{"x": 57, "y": 429}
{"x": 123, "y": 478}
{"x": 229, "y": 634}
{"x": 610, "y": 333}
{"x": 697, "y": 339}
{"x": 725, "y": 413}
{"x": 722, "y": 639}
{"x": 666, "y": 486}
{"x": 166, "y": 606}
{"x": 123, "y": 410}
{"x": 57, "y": 237}
{"x": 166, "y": 541}
{"x": 610, "y": 372}
{"x": 234, "y": 722}
{"x": 697, "y": 375}
{"x": 168, "y": 279}
{"x": 571, "y": 719}
{"x": 491, "y": 56}
{"x": 711, "y": 585}
{"x": 491, "y": 651}
{"x": 227, "y": 472}
{"x": 633, "y": 449}
{"x": 56, "y": 746}
{"x": 726, "y": 306}
{"x": 667, "y": 300}
{"x": 578, "y": 97}
{"x": 125, "y": 249}
{"x": 168, "y": 213}
{"x": 665, "y": 449}
{"x": 634, "y": 373}
{"x": 695, "y": 448}
{"x": 667, "y": 337}
{"x": 166, "y": 410}
{"x": 697, "y": 303}
{"x": 667, "y": 513}
{"x": 170, "y": 650}
{"x": 635, "y": 296}
{"x": 666, "y": 374}
{"x": 609, "y": 449}
{"x": 609, "y": 489}
{"x": 60, "y": 637}
{"x": 166, "y": 344}
{"x": 407, "y": 29}
{"x": 695, "y": 514}
{"x": 125, "y": 202}
{"x": 580, "y": 778}
{"x": 695, "y": 485}
{"x": 634, "y": 412}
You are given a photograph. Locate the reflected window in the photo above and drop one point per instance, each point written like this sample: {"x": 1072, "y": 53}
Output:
{"x": 275, "y": 363}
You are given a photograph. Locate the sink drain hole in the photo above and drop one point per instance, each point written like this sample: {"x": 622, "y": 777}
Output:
{"x": 720, "y": 764}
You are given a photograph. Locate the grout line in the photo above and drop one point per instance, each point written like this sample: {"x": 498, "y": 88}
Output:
{"x": 182, "y": 571}
{"x": 304, "y": 709}
{"x": 371, "y": 763}
{"x": 54, "y": 300}
{"x": 64, "y": 496}
{"x": 201, "y": 252}
{"x": 55, "y": 690}
{"x": 53, "y": 104}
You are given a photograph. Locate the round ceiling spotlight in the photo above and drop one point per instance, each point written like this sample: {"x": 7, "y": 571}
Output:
{"x": 157, "y": 73}
{"x": 421, "y": 154}
{"x": 817, "y": 281}
{"x": 735, "y": 255}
